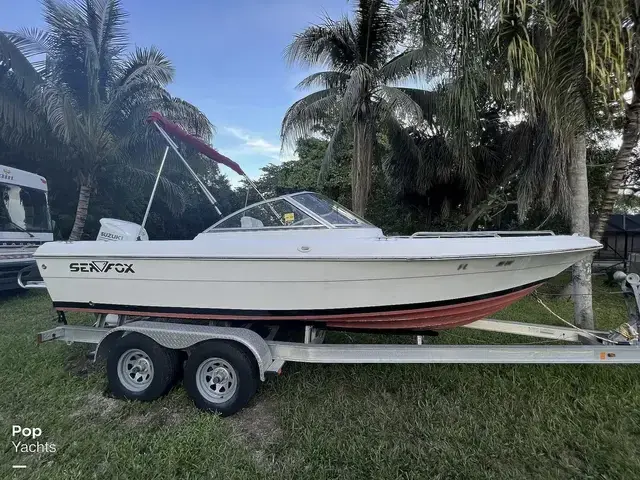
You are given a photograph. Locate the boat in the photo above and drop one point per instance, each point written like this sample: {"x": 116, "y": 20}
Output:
{"x": 302, "y": 258}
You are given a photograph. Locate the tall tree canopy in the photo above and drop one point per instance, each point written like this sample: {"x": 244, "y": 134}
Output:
{"x": 74, "y": 90}
{"x": 557, "y": 66}
{"x": 357, "y": 95}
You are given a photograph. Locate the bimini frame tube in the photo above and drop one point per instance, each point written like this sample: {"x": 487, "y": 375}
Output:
{"x": 153, "y": 193}
{"x": 164, "y": 126}
{"x": 202, "y": 186}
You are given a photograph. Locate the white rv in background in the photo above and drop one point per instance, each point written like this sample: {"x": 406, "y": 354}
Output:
{"x": 25, "y": 224}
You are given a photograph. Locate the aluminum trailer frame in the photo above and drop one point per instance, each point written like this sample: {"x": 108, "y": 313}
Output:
{"x": 239, "y": 355}
{"x": 271, "y": 355}
{"x": 596, "y": 346}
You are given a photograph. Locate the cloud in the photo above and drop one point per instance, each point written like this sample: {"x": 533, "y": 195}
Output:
{"x": 256, "y": 145}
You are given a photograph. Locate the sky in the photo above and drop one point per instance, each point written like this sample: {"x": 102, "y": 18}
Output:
{"x": 229, "y": 62}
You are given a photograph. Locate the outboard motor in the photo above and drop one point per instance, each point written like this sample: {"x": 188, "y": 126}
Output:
{"x": 114, "y": 230}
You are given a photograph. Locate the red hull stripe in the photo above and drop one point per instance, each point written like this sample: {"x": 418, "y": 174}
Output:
{"x": 437, "y": 317}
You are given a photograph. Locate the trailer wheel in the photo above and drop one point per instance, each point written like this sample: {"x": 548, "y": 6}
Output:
{"x": 220, "y": 377}
{"x": 140, "y": 369}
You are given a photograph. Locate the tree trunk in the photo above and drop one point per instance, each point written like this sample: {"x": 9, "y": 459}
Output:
{"x": 581, "y": 278}
{"x": 630, "y": 136}
{"x": 361, "y": 166}
{"x": 81, "y": 211}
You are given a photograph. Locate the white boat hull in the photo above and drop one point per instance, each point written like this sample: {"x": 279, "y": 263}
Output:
{"x": 380, "y": 287}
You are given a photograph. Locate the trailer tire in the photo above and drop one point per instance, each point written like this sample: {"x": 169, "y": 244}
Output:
{"x": 220, "y": 376}
{"x": 140, "y": 369}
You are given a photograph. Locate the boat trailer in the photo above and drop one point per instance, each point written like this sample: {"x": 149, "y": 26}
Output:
{"x": 221, "y": 365}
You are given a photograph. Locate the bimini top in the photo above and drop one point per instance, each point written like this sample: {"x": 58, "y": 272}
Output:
{"x": 298, "y": 210}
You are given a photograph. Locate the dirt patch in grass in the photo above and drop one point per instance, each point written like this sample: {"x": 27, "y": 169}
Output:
{"x": 97, "y": 405}
{"x": 80, "y": 363}
{"x": 162, "y": 417}
{"x": 135, "y": 421}
{"x": 171, "y": 419}
{"x": 257, "y": 427}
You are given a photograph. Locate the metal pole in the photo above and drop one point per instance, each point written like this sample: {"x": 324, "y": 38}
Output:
{"x": 153, "y": 192}
{"x": 254, "y": 187}
{"x": 626, "y": 249}
{"x": 202, "y": 186}
{"x": 263, "y": 198}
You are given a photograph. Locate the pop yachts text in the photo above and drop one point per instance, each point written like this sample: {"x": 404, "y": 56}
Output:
{"x": 37, "y": 447}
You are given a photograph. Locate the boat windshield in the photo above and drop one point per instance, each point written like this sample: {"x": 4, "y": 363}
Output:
{"x": 271, "y": 214}
{"x": 304, "y": 210}
{"x": 330, "y": 211}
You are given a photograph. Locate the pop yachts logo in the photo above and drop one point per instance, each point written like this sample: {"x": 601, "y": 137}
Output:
{"x": 102, "y": 267}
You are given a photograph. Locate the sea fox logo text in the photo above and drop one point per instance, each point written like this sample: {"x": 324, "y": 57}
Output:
{"x": 102, "y": 267}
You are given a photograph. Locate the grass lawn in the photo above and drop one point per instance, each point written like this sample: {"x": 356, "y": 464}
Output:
{"x": 328, "y": 421}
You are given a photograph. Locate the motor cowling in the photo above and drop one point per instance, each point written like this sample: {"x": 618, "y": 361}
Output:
{"x": 114, "y": 230}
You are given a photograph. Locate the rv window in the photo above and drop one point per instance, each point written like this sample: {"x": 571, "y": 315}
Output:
{"x": 23, "y": 208}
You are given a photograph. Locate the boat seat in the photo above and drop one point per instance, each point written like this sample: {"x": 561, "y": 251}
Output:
{"x": 250, "y": 222}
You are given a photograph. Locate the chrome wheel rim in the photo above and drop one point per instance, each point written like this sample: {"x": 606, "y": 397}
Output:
{"x": 217, "y": 380}
{"x": 135, "y": 370}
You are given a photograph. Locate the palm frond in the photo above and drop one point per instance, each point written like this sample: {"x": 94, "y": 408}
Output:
{"x": 132, "y": 134}
{"x": 15, "y": 115}
{"x": 374, "y": 29}
{"x": 110, "y": 37}
{"x": 62, "y": 114}
{"x": 416, "y": 63}
{"x": 110, "y": 33}
{"x": 398, "y": 103}
{"x": 425, "y": 99}
{"x": 541, "y": 163}
{"x": 332, "y": 44}
{"x": 31, "y": 41}
{"x": 328, "y": 79}
{"x": 174, "y": 196}
{"x": 139, "y": 89}
{"x": 131, "y": 106}
{"x": 404, "y": 158}
{"x": 306, "y": 114}
{"x": 22, "y": 70}
{"x": 189, "y": 117}
{"x": 146, "y": 65}
{"x": 73, "y": 55}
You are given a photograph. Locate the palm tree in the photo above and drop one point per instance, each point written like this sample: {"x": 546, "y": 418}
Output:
{"x": 631, "y": 126}
{"x": 458, "y": 147}
{"x": 575, "y": 64}
{"x": 561, "y": 65}
{"x": 73, "y": 89}
{"x": 357, "y": 96}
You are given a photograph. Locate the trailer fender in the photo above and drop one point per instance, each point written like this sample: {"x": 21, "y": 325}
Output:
{"x": 183, "y": 336}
